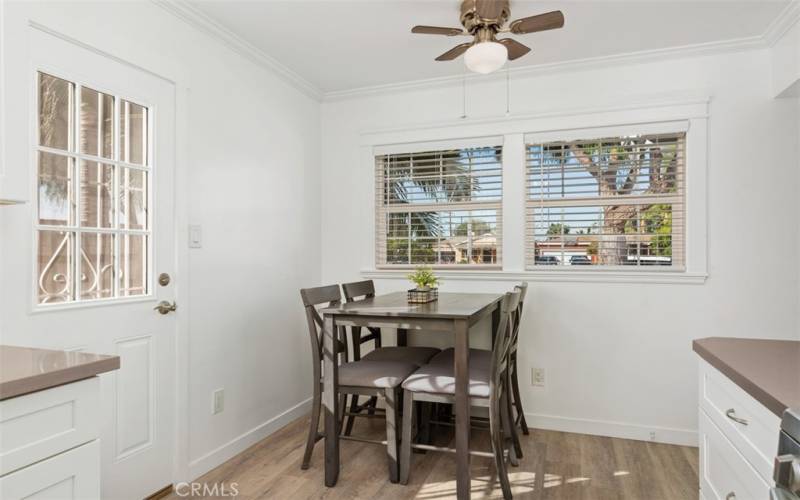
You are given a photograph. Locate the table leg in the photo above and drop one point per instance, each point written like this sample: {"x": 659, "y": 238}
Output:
{"x": 330, "y": 402}
{"x": 461, "y": 362}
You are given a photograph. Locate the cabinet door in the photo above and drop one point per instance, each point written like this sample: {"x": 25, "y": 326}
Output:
{"x": 724, "y": 472}
{"x": 74, "y": 474}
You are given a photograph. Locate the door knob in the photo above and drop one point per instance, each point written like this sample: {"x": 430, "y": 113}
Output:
{"x": 165, "y": 307}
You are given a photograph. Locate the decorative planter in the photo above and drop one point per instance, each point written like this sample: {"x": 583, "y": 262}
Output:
{"x": 422, "y": 296}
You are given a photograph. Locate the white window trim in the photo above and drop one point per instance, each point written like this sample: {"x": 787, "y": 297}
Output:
{"x": 654, "y": 112}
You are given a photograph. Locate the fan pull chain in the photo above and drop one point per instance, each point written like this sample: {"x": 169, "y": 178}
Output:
{"x": 464, "y": 93}
{"x": 508, "y": 88}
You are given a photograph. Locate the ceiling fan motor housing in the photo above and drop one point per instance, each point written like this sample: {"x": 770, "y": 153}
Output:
{"x": 477, "y": 14}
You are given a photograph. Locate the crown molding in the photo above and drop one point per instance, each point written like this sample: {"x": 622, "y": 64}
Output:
{"x": 694, "y": 50}
{"x": 788, "y": 17}
{"x": 199, "y": 20}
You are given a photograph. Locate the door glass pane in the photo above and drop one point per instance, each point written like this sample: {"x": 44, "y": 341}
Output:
{"x": 133, "y": 198}
{"x": 133, "y": 133}
{"x": 97, "y": 122}
{"x": 55, "y": 103}
{"x": 97, "y": 204}
{"x": 54, "y": 264}
{"x": 55, "y": 190}
{"x": 97, "y": 266}
{"x": 133, "y": 265}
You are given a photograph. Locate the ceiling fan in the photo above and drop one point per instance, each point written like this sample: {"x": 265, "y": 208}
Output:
{"x": 483, "y": 20}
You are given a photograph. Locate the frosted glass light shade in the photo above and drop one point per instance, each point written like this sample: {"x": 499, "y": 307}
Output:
{"x": 486, "y": 57}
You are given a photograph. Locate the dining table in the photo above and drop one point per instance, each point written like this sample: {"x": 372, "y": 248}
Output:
{"x": 452, "y": 313}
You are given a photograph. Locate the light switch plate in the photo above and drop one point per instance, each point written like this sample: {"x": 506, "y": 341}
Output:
{"x": 195, "y": 236}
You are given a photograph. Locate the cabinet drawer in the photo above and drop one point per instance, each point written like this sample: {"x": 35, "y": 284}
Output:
{"x": 74, "y": 474}
{"x": 42, "y": 424}
{"x": 757, "y": 440}
{"x": 724, "y": 473}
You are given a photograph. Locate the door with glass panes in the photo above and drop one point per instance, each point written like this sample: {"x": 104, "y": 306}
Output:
{"x": 103, "y": 156}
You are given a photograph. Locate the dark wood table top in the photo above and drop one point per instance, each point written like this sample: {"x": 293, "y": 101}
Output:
{"x": 768, "y": 370}
{"x": 449, "y": 305}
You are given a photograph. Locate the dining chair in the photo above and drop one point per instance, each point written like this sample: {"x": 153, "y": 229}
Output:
{"x": 483, "y": 356}
{"x": 488, "y": 388}
{"x": 418, "y": 355}
{"x": 513, "y": 371}
{"x": 375, "y": 378}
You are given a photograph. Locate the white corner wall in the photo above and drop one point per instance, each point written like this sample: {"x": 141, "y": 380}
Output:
{"x": 618, "y": 357}
{"x": 250, "y": 176}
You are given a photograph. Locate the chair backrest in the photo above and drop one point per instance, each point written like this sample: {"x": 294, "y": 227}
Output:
{"x": 523, "y": 290}
{"x": 327, "y": 296}
{"x": 501, "y": 351}
{"x": 358, "y": 289}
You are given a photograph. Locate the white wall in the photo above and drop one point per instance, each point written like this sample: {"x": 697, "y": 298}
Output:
{"x": 250, "y": 178}
{"x": 618, "y": 356}
{"x": 786, "y": 62}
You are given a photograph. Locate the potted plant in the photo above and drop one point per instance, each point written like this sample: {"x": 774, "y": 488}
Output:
{"x": 424, "y": 278}
{"x": 426, "y": 283}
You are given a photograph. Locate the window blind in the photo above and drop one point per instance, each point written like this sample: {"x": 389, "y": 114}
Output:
{"x": 439, "y": 208}
{"x": 613, "y": 201}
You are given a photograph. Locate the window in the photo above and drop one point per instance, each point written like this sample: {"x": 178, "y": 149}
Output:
{"x": 93, "y": 229}
{"x": 439, "y": 208}
{"x": 614, "y": 201}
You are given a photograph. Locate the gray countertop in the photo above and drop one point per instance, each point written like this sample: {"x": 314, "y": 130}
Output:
{"x": 25, "y": 369}
{"x": 768, "y": 370}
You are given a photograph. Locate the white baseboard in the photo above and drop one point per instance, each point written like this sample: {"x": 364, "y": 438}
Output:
{"x": 685, "y": 437}
{"x": 218, "y": 456}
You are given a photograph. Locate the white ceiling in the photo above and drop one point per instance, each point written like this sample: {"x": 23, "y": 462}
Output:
{"x": 344, "y": 44}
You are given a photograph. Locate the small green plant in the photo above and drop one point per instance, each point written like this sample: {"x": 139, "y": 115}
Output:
{"x": 424, "y": 278}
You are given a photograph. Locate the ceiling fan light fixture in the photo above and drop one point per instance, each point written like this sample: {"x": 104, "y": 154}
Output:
{"x": 486, "y": 57}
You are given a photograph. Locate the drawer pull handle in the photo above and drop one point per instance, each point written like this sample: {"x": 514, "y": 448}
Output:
{"x": 731, "y": 414}
{"x": 730, "y": 496}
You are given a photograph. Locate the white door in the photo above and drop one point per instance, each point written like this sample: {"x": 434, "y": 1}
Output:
{"x": 103, "y": 201}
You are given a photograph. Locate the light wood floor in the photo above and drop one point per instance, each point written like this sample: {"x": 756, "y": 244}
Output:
{"x": 556, "y": 465}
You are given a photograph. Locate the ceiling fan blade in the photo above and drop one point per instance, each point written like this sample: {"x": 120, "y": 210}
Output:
{"x": 515, "y": 49}
{"x": 436, "y": 30}
{"x": 454, "y": 52}
{"x": 542, "y": 22}
{"x": 490, "y": 9}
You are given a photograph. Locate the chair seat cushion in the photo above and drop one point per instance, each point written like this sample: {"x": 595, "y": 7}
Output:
{"x": 439, "y": 379}
{"x": 411, "y": 354}
{"x": 379, "y": 374}
{"x": 477, "y": 357}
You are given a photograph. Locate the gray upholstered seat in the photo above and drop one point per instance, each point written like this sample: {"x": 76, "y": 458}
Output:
{"x": 380, "y": 374}
{"x": 477, "y": 357}
{"x": 416, "y": 355}
{"x": 439, "y": 379}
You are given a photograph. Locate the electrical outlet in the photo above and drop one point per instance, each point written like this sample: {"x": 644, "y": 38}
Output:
{"x": 652, "y": 435}
{"x": 219, "y": 401}
{"x": 537, "y": 377}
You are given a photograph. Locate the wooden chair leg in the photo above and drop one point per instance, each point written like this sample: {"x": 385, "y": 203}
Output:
{"x": 372, "y": 403}
{"x": 391, "y": 434}
{"x": 342, "y": 410}
{"x": 425, "y": 423}
{"x": 350, "y": 418}
{"x": 516, "y": 399}
{"x": 497, "y": 448}
{"x": 405, "y": 442}
{"x": 508, "y": 432}
{"x": 313, "y": 427}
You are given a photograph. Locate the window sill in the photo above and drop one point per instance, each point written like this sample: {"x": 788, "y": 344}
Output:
{"x": 565, "y": 275}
